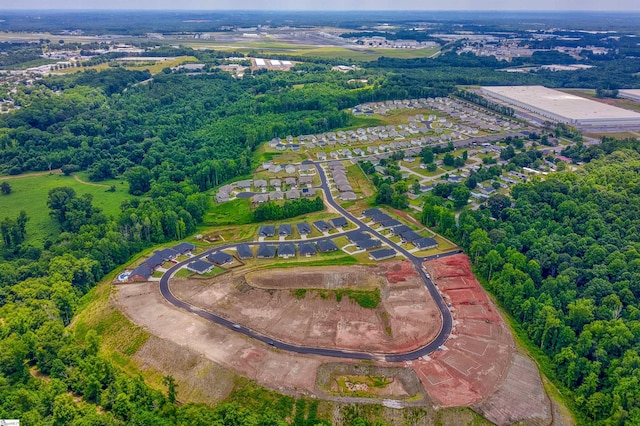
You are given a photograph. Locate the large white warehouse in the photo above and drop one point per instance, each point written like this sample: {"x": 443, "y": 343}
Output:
{"x": 633, "y": 94}
{"x": 563, "y": 107}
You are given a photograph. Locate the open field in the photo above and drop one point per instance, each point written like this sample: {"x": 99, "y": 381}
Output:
{"x": 154, "y": 67}
{"x": 265, "y": 47}
{"x": 30, "y": 194}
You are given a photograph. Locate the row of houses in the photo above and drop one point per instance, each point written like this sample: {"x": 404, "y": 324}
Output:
{"x": 340, "y": 181}
{"x": 396, "y": 228}
{"x": 304, "y": 229}
{"x": 291, "y": 194}
{"x": 147, "y": 267}
{"x": 294, "y": 184}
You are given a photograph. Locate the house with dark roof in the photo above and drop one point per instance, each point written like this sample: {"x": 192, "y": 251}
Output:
{"x": 200, "y": 266}
{"x": 284, "y": 230}
{"x": 382, "y": 217}
{"x": 356, "y": 236}
{"x": 244, "y": 252}
{"x": 371, "y": 213}
{"x": 327, "y": 246}
{"x": 368, "y": 244}
{"x": 167, "y": 254}
{"x": 338, "y": 222}
{"x": 382, "y": 254}
{"x": 154, "y": 261}
{"x": 266, "y": 252}
{"x": 267, "y": 231}
{"x": 306, "y": 249}
{"x": 287, "y": 250}
{"x": 183, "y": 248}
{"x": 389, "y": 223}
{"x": 140, "y": 273}
{"x": 220, "y": 258}
{"x": 425, "y": 243}
{"x": 409, "y": 236}
{"x": 397, "y": 230}
{"x": 322, "y": 226}
{"x": 303, "y": 228}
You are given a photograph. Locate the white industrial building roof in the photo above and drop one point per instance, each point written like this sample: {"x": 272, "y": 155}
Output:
{"x": 260, "y": 62}
{"x": 633, "y": 94}
{"x": 563, "y": 107}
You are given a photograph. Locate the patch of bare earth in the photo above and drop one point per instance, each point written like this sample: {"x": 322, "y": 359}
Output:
{"x": 479, "y": 366}
{"x": 406, "y": 319}
{"x": 279, "y": 370}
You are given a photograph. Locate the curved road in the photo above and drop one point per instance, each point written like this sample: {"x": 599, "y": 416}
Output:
{"x": 440, "y": 339}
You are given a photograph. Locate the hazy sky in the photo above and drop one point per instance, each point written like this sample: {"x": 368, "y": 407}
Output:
{"x": 613, "y": 5}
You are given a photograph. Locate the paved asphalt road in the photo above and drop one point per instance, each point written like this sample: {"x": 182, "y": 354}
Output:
{"x": 445, "y": 314}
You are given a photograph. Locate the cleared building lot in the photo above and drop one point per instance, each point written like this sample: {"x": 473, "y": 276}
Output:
{"x": 633, "y": 94}
{"x": 563, "y": 107}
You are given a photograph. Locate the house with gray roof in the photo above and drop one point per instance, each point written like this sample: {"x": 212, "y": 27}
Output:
{"x": 284, "y": 230}
{"x": 220, "y": 258}
{"x": 303, "y": 228}
{"x": 287, "y": 250}
{"x": 200, "y": 266}
{"x": 266, "y": 251}
{"x": 306, "y": 249}
{"x": 267, "y": 231}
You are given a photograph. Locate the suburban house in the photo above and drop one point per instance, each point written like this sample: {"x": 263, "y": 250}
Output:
{"x": 141, "y": 273}
{"x": 390, "y": 223}
{"x": 307, "y": 249}
{"x": 244, "y": 184}
{"x": 184, "y": 248}
{"x": 260, "y": 184}
{"x": 303, "y": 228}
{"x": 368, "y": 244}
{"x": 306, "y": 180}
{"x": 327, "y": 246}
{"x": 356, "y": 236}
{"x": 200, "y": 266}
{"x": 266, "y": 251}
{"x": 287, "y": 250}
{"x": 220, "y": 258}
{"x": 339, "y": 222}
{"x": 410, "y": 236}
{"x": 425, "y": 243}
{"x": 267, "y": 231}
{"x": 382, "y": 254}
{"x": 276, "y": 196}
{"x": 398, "y": 230}
{"x": 290, "y": 181}
{"x": 244, "y": 252}
{"x": 322, "y": 226}
{"x": 276, "y": 183}
{"x": 260, "y": 198}
{"x": 348, "y": 196}
{"x": 284, "y": 230}
{"x": 292, "y": 194}
{"x": 308, "y": 192}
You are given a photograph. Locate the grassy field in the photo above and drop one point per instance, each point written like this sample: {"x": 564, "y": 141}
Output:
{"x": 266, "y": 47}
{"x": 154, "y": 67}
{"x": 30, "y": 194}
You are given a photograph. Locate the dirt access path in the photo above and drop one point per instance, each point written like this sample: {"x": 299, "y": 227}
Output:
{"x": 56, "y": 171}
{"x": 75, "y": 176}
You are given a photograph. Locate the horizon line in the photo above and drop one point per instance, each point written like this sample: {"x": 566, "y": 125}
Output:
{"x": 322, "y": 10}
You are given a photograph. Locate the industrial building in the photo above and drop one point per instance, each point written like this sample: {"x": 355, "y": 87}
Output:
{"x": 633, "y": 94}
{"x": 563, "y": 107}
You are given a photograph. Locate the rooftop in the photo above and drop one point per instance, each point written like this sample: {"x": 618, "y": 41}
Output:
{"x": 566, "y": 105}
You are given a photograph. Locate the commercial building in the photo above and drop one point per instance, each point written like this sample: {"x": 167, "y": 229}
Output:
{"x": 563, "y": 107}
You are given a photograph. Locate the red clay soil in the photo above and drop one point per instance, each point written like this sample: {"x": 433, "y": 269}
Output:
{"x": 476, "y": 358}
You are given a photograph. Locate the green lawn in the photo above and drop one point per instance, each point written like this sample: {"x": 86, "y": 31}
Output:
{"x": 30, "y": 194}
{"x": 235, "y": 212}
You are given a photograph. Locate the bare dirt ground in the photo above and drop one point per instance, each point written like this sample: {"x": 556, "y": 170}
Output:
{"x": 279, "y": 370}
{"x": 407, "y": 317}
{"x": 480, "y": 365}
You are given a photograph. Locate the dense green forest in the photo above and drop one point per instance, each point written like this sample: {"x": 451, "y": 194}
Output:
{"x": 562, "y": 256}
